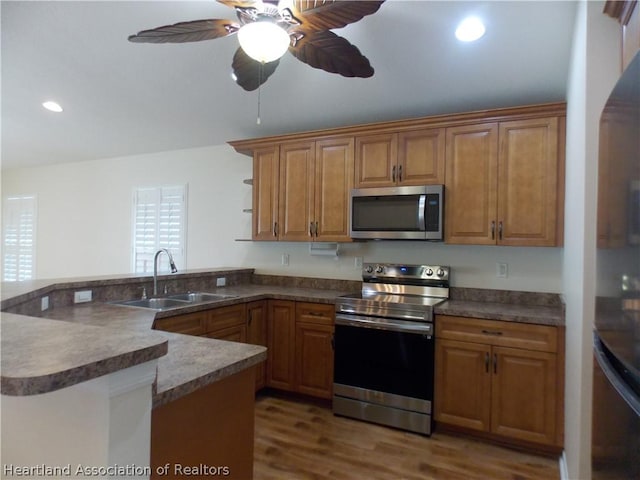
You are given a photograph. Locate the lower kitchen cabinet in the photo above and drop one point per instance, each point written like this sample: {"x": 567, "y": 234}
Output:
{"x": 298, "y": 337}
{"x": 300, "y": 355}
{"x": 281, "y": 342}
{"x": 187, "y": 324}
{"x": 314, "y": 349}
{"x": 257, "y": 335}
{"x": 228, "y": 323}
{"x": 501, "y": 378}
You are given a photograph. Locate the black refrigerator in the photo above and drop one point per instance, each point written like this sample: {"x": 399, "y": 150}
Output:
{"x": 615, "y": 445}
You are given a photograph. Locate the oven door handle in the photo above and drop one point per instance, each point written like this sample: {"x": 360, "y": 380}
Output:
{"x": 362, "y": 321}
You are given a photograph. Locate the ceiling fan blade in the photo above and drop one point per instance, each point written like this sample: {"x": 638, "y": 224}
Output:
{"x": 249, "y": 73}
{"x": 328, "y": 14}
{"x": 194, "y": 31}
{"x": 332, "y": 53}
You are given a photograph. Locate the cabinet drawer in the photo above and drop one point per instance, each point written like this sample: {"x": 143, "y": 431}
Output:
{"x": 315, "y": 313}
{"x": 541, "y": 338}
{"x": 225, "y": 317}
{"x": 190, "y": 324}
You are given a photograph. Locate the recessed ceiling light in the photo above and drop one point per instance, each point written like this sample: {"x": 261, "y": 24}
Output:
{"x": 52, "y": 106}
{"x": 470, "y": 29}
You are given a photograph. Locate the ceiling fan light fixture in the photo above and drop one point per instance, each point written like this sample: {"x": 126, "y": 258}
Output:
{"x": 263, "y": 40}
{"x": 470, "y": 29}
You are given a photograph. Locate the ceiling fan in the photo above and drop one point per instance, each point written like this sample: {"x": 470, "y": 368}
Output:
{"x": 302, "y": 27}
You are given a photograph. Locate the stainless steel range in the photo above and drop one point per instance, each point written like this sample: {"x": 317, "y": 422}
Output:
{"x": 384, "y": 345}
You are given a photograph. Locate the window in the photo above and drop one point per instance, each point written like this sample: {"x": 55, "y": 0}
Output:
{"x": 19, "y": 238}
{"x": 159, "y": 221}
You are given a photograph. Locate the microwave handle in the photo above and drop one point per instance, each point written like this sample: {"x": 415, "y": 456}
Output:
{"x": 422, "y": 204}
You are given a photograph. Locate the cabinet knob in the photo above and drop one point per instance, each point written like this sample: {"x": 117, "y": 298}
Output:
{"x": 393, "y": 173}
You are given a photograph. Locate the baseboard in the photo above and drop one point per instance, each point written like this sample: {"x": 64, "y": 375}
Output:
{"x": 562, "y": 465}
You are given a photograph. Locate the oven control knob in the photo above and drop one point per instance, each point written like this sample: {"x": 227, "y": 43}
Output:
{"x": 368, "y": 269}
{"x": 440, "y": 273}
{"x": 429, "y": 272}
{"x": 379, "y": 269}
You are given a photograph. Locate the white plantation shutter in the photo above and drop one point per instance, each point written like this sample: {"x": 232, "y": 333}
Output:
{"x": 159, "y": 221}
{"x": 19, "y": 238}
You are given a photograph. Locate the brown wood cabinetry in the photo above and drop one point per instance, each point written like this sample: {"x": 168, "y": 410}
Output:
{"x": 228, "y": 323}
{"x": 503, "y": 172}
{"x": 414, "y": 157}
{"x": 188, "y": 324}
{"x": 257, "y": 335}
{"x": 281, "y": 344}
{"x": 500, "y": 378}
{"x": 301, "y": 190}
{"x": 503, "y": 183}
{"x": 627, "y": 12}
{"x": 266, "y": 176}
{"x": 314, "y": 349}
{"x": 300, "y": 355}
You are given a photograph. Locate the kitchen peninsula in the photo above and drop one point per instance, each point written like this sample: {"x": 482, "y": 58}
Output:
{"x": 206, "y": 382}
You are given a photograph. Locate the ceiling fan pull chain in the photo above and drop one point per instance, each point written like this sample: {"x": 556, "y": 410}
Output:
{"x": 259, "y": 86}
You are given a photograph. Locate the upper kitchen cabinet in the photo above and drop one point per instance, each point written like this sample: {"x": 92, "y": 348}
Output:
{"x": 503, "y": 172}
{"x": 413, "y": 157}
{"x": 266, "y": 176}
{"x": 333, "y": 183}
{"x": 627, "y": 12}
{"x": 504, "y": 183}
{"x": 301, "y": 190}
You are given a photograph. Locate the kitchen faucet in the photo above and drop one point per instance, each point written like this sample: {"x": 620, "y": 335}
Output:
{"x": 155, "y": 268}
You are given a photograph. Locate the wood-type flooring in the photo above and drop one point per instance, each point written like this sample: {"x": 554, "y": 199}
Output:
{"x": 300, "y": 440}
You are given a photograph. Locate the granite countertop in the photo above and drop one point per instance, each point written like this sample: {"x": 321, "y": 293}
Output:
{"x": 509, "y": 312}
{"x": 193, "y": 362}
{"x": 40, "y": 355}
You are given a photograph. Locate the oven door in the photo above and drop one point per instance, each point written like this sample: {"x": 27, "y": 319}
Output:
{"x": 383, "y": 355}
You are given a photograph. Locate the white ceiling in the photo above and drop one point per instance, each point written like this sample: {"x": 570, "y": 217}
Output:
{"x": 122, "y": 98}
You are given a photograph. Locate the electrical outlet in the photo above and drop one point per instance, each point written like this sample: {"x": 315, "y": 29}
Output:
{"x": 502, "y": 270}
{"x": 357, "y": 262}
{"x": 82, "y": 296}
{"x": 221, "y": 282}
{"x": 44, "y": 303}
{"x": 285, "y": 259}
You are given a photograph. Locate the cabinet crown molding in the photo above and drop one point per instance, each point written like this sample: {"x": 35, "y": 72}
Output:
{"x": 246, "y": 147}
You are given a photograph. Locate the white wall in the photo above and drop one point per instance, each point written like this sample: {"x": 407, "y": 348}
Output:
{"x": 593, "y": 72}
{"x": 84, "y": 225}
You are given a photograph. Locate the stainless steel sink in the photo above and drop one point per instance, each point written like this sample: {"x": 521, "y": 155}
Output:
{"x": 198, "y": 297}
{"x": 174, "y": 301}
{"x": 154, "y": 303}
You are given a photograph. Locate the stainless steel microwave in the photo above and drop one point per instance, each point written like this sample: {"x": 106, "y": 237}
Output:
{"x": 397, "y": 213}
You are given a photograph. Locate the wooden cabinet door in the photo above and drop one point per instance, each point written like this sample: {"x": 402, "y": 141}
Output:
{"x": 421, "y": 157}
{"x": 376, "y": 160}
{"x": 314, "y": 349}
{"x": 257, "y": 335}
{"x": 314, "y": 359}
{"x": 333, "y": 183}
{"x": 528, "y": 182}
{"x": 463, "y": 384}
{"x": 297, "y": 177}
{"x": 235, "y": 333}
{"x": 523, "y": 395}
{"x": 281, "y": 344}
{"x": 266, "y": 175}
{"x": 187, "y": 324}
{"x": 228, "y": 323}
{"x": 471, "y": 184}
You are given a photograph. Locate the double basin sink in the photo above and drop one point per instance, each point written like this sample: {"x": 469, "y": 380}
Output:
{"x": 174, "y": 301}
